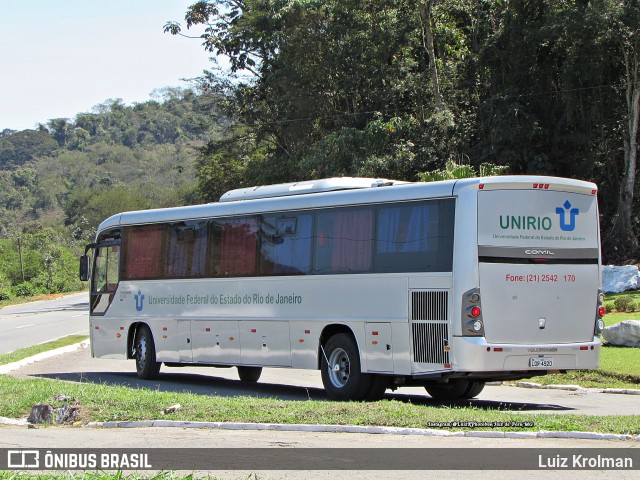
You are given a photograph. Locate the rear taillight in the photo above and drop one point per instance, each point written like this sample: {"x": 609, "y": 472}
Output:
{"x": 472, "y": 322}
{"x": 600, "y": 311}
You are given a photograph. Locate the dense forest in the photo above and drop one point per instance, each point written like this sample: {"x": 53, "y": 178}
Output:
{"x": 316, "y": 88}
{"x": 371, "y": 87}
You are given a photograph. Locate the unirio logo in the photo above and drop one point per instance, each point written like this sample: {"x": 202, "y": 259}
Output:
{"x": 573, "y": 213}
{"x": 139, "y": 301}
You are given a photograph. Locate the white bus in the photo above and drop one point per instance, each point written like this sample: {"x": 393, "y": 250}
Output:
{"x": 378, "y": 284}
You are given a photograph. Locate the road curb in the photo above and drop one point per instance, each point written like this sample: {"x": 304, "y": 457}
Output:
{"x": 578, "y": 388}
{"x": 41, "y": 356}
{"x": 359, "y": 429}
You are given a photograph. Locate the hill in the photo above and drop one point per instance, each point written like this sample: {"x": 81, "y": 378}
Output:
{"x": 57, "y": 183}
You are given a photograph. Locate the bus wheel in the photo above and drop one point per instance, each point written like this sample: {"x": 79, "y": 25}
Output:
{"x": 379, "y": 384}
{"x": 146, "y": 365}
{"x": 474, "y": 389}
{"x": 455, "y": 389}
{"x": 249, "y": 374}
{"x": 341, "y": 376}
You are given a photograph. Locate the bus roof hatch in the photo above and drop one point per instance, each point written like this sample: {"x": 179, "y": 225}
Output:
{"x": 307, "y": 186}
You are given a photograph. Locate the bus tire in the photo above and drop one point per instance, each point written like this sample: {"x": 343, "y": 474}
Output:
{"x": 474, "y": 388}
{"x": 343, "y": 380}
{"x": 379, "y": 384}
{"x": 453, "y": 390}
{"x": 147, "y": 367}
{"x": 249, "y": 374}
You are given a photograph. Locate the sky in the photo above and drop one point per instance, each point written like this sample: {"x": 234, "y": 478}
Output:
{"x": 59, "y": 58}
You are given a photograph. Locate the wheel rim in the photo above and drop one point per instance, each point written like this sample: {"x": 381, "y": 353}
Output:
{"x": 339, "y": 368}
{"x": 141, "y": 352}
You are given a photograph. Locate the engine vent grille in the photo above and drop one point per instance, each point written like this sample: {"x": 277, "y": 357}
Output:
{"x": 429, "y": 326}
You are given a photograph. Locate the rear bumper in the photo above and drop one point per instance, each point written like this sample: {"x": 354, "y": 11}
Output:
{"x": 474, "y": 354}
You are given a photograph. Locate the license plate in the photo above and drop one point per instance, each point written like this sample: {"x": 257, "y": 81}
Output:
{"x": 541, "y": 362}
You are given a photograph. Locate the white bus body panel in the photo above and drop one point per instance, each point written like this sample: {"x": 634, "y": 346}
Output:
{"x": 545, "y": 309}
{"x": 538, "y": 303}
{"x": 270, "y": 321}
{"x": 277, "y": 321}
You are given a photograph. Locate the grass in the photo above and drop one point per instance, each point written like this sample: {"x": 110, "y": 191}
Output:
{"x": 117, "y": 403}
{"x": 617, "y": 317}
{"x": 26, "y": 352}
{"x": 6, "y": 475}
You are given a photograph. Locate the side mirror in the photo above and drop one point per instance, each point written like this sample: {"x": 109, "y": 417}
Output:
{"x": 84, "y": 268}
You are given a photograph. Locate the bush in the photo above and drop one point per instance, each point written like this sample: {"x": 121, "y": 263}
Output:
{"x": 25, "y": 289}
{"x": 624, "y": 304}
{"x": 608, "y": 308}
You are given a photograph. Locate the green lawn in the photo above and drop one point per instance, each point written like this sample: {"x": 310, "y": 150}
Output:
{"x": 110, "y": 403}
{"x": 22, "y": 353}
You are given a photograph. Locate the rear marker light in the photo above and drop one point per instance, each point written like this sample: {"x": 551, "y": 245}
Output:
{"x": 497, "y": 349}
{"x": 601, "y": 311}
{"x": 584, "y": 348}
{"x": 447, "y": 365}
{"x": 481, "y": 186}
{"x": 475, "y": 311}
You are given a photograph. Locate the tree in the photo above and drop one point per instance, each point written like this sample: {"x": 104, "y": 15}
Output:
{"x": 321, "y": 84}
{"x": 626, "y": 18}
{"x": 24, "y": 146}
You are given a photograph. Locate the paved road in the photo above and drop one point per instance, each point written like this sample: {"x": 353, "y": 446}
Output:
{"x": 38, "y": 322}
{"x": 290, "y": 384}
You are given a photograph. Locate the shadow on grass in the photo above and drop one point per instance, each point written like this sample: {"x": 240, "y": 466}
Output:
{"x": 220, "y": 386}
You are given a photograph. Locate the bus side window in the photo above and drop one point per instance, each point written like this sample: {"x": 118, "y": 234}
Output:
{"x": 344, "y": 240}
{"x": 285, "y": 244}
{"x": 238, "y": 247}
{"x": 186, "y": 250}
{"x": 415, "y": 237}
{"x": 144, "y": 257}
